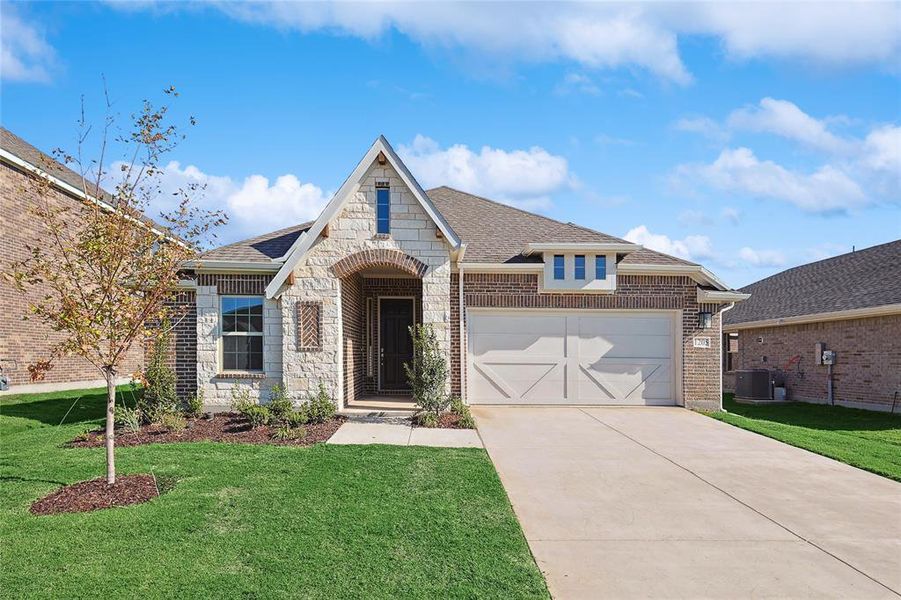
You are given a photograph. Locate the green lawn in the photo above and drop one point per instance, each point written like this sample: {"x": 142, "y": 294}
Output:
{"x": 862, "y": 438}
{"x": 255, "y": 521}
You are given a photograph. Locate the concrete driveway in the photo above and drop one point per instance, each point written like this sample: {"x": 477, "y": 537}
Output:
{"x": 666, "y": 503}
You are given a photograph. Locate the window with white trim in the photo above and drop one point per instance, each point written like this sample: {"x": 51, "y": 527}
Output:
{"x": 579, "y": 268}
{"x": 559, "y": 267}
{"x": 600, "y": 266}
{"x": 242, "y": 333}
{"x": 382, "y": 209}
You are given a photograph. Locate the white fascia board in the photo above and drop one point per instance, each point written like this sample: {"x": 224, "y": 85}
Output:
{"x": 351, "y": 186}
{"x": 71, "y": 189}
{"x": 601, "y": 247}
{"x": 839, "y": 315}
{"x": 720, "y": 297}
{"x": 234, "y": 266}
{"x": 696, "y": 272}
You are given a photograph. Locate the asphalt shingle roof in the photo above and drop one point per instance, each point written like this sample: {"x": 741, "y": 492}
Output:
{"x": 862, "y": 279}
{"x": 493, "y": 233}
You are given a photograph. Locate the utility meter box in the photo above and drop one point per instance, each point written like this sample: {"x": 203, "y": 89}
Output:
{"x": 828, "y": 357}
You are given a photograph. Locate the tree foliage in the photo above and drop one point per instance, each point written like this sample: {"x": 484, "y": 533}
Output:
{"x": 428, "y": 372}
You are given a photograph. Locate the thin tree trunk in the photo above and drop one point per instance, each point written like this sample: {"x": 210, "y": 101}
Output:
{"x": 110, "y": 426}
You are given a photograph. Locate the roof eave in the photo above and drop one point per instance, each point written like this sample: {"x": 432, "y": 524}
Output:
{"x": 600, "y": 247}
{"x": 839, "y": 315}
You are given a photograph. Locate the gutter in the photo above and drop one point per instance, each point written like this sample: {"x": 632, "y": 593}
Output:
{"x": 839, "y": 315}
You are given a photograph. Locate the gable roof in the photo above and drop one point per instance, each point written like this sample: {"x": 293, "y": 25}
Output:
{"x": 858, "y": 280}
{"x": 24, "y": 156}
{"x": 264, "y": 248}
{"x": 498, "y": 233}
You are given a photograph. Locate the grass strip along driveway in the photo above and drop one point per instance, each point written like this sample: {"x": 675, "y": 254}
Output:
{"x": 865, "y": 439}
{"x": 255, "y": 520}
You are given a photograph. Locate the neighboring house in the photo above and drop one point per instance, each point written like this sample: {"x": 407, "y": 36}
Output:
{"x": 850, "y": 304}
{"x": 23, "y": 342}
{"x": 528, "y": 310}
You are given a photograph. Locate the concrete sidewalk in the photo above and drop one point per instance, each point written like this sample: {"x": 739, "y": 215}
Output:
{"x": 666, "y": 503}
{"x": 397, "y": 433}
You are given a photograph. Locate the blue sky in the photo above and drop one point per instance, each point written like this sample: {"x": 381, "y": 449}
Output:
{"x": 747, "y": 137}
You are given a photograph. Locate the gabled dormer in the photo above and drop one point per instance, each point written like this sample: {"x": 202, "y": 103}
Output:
{"x": 580, "y": 267}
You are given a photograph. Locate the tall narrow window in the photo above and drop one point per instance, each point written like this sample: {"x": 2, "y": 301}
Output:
{"x": 559, "y": 270}
{"x": 600, "y": 267}
{"x": 580, "y": 266}
{"x": 242, "y": 333}
{"x": 382, "y": 210}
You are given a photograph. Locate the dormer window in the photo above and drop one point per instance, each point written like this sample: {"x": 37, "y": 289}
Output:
{"x": 559, "y": 267}
{"x": 580, "y": 266}
{"x": 600, "y": 266}
{"x": 382, "y": 209}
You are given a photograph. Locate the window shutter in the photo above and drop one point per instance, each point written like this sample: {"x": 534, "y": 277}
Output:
{"x": 309, "y": 321}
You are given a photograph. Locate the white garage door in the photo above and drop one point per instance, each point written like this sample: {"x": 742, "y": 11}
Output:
{"x": 572, "y": 357}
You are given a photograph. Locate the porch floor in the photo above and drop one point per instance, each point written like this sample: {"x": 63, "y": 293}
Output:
{"x": 382, "y": 403}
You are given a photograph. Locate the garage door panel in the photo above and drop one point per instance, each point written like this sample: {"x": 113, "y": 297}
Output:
{"x": 611, "y": 358}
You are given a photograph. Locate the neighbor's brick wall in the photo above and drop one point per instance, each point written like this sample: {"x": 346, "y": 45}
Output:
{"x": 700, "y": 366}
{"x": 25, "y": 342}
{"x": 867, "y": 369}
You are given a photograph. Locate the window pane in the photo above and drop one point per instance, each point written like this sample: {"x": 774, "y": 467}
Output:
{"x": 383, "y": 210}
{"x": 256, "y": 323}
{"x": 600, "y": 267}
{"x": 580, "y": 266}
{"x": 228, "y": 306}
{"x": 242, "y": 323}
{"x": 256, "y": 306}
{"x": 228, "y": 323}
{"x": 559, "y": 271}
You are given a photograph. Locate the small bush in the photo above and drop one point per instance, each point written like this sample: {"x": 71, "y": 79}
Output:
{"x": 194, "y": 405}
{"x": 241, "y": 399}
{"x": 128, "y": 418}
{"x": 173, "y": 422}
{"x": 280, "y": 406}
{"x": 320, "y": 407}
{"x": 426, "y": 419}
{"x": 428, "y": 372}
{"x": 459, "y": 408}
{"x": 295, "y": 418}
{"x": 286, "y": 432}
{"x": 256, "y": 414}
{"x": 159, "y": 397}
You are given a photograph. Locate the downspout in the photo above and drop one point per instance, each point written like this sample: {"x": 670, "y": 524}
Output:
{"x": 722, "y": 349}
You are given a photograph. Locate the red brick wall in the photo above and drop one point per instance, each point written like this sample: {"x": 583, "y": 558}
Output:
{"x": 182, "y": 357}
{"x": 868, "y": 364}
{"x": 352, "y": 336}
{"x": 700, "y": 367}
{"x": 25, "y": 342}
{"x": 373, "y": 288}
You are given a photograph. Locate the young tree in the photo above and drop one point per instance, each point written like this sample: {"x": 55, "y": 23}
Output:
{"x": 428, "y": 372}
{"x": 105, "y": 269}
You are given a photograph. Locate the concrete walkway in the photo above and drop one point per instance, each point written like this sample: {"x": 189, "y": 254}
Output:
{"x": 666, "y": 503}
{"x": 398, "y": 433}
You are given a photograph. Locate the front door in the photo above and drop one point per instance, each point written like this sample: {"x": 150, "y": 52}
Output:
{"x": 396, "y": 347}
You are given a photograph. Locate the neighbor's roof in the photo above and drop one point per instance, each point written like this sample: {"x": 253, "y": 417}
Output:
{"x": 493, "y": 233}
{"x": 27, "y": 153}
{"x": 862, "y": 279}
{"x": 498, "y": 233}
{"x": 262, "y": 249}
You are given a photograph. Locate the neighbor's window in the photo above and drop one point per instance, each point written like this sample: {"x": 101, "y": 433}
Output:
{"x": 580, "y": 266}
{"x": 600, "y": 267}
{"x": 559, "y": 271}
{"x": 242, "y": 333}
{"x": 731, "y": 351}
{"x": 382, "y": 210}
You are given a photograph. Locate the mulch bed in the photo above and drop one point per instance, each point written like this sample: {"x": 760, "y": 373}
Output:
{"x": 96, "y": 494}
{"x": 220, "y": 427}
{"x": 447, "y": 420}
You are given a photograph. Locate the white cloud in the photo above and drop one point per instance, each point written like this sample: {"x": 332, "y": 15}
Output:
{"x": 703, "y": 126}
{"x": 692, "y": 247}
{"x": 882, "y": 150}
{"x": 603, "y": 35}
{"x": 24, "y": 53}
{"x": 694, "y": 217}
{"x": 785, "y": 119}
{"x": 254, "y": 205}
{"x": 577, "y": 83}
{"x": 730, "y": 214}
{"x": 524, "y": 178}
{"x": 762, "y": 258}
{"x": 827, "y": 189}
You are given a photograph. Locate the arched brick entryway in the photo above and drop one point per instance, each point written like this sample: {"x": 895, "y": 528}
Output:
{"x": 376, "y": 258}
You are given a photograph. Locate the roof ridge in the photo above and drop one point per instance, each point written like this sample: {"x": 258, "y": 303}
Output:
{"x": 521, "y": 210}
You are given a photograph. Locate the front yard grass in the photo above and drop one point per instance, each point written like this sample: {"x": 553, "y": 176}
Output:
{"x": 254, "y": 521}
{"x": 865, "y": 439}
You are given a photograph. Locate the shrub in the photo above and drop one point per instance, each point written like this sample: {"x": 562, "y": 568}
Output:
{"x": 173, "y": 422}
{"x": 428, "y": 373}
{"x": 256, "y": 414}
{"x": 280, "y": 406}
{"x": 241, "y": 399}
{"x": 128, "y": 418}
{"x": 295, "y": 418}
{"x": 320, "y": 407}
{"x": 286, "y": 432}
{"x": 159, "y": 397}
{"x": 194, "y": 405}
{"x": 459, "y": 408}
{"x": 426, "y": 419}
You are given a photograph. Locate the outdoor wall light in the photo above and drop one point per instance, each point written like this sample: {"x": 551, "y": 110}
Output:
{"x": 705, "y": 320}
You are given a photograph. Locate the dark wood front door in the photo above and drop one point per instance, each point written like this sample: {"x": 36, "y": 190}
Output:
{"x": 396, "y": 316}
